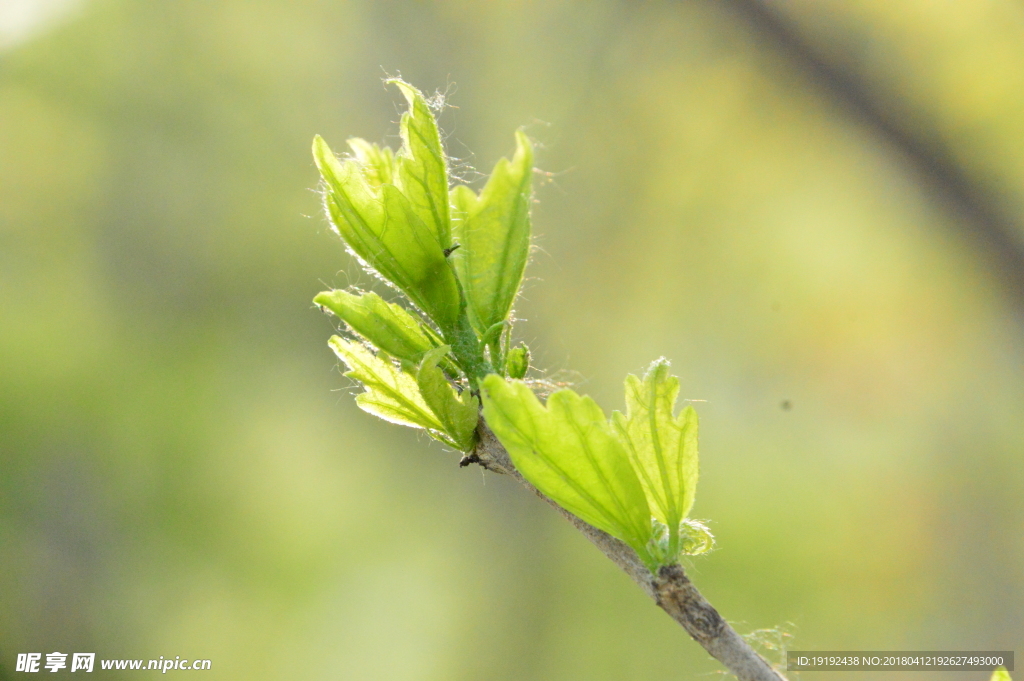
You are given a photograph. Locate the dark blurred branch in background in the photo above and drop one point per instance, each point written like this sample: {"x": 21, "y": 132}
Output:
{"x": 977, "y": 211}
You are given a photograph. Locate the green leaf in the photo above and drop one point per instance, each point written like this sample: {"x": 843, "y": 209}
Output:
{"x": 426, "y": 400}
{"x": 391, "y": 394}
{"x": 493, "y": 230}
{"x": 422, "y": 165}
{"x": 518, "y": 362}
{"x": 378, "y": 162}
{"x": 662, "y": 448}
{"x": 383, "y": 229}
{"x": 457, "y": 414}
{"x": 569, "y": 453}
{"x": 1000, "y": 674}
{"x": 386, "y": 325}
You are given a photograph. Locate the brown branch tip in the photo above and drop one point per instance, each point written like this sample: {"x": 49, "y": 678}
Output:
{"x": 670, "y": 589}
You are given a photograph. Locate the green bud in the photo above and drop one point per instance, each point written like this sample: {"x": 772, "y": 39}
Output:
{"x": 517, "y": 362}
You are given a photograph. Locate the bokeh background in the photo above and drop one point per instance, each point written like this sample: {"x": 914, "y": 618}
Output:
{"x": 814, "y": 208}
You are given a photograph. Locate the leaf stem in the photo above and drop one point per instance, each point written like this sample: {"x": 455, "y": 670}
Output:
{"x": 467, "y": 350}
{"x": 496, "y": 356}
{"x": 673, "y": 537}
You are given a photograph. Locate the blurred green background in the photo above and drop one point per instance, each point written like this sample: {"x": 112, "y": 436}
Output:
{"x": 184, "y": 472}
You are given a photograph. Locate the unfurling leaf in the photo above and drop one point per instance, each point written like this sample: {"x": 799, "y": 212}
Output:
{"x": 691, "y": 538}
{"x": 662, "y": 448}
{"x": 395, "y": 395}
{"x": 383, "y": 228}
{"x": 386, "y": 325}
{"x": 695, "y": 537}
{"x": 493, "y": 231}
{"x": 458, "y": 414}
{"x": 517, "y": 362}
{"x": 569, "y": 452}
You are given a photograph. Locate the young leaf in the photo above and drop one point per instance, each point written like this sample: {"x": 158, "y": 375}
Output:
{"x": 457, "y": 414}
{"x": 391, "y": 394}
{"x": 569, "y": 453}
{"x": 1000, "y": 674}
{"x": 493, "y": 230}
{"x": 386, "y": 325}
{"x": 662, "y": 448}
{"x": 422, "y": 168}
{"x": 385, "y": 230}
{"x": 425, "y": 400}
{"x": 378, "y": 162}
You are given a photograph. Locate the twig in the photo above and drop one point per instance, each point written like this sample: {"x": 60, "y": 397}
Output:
{"x": 976, "y": 208}
{"x": 671, "y": 589}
